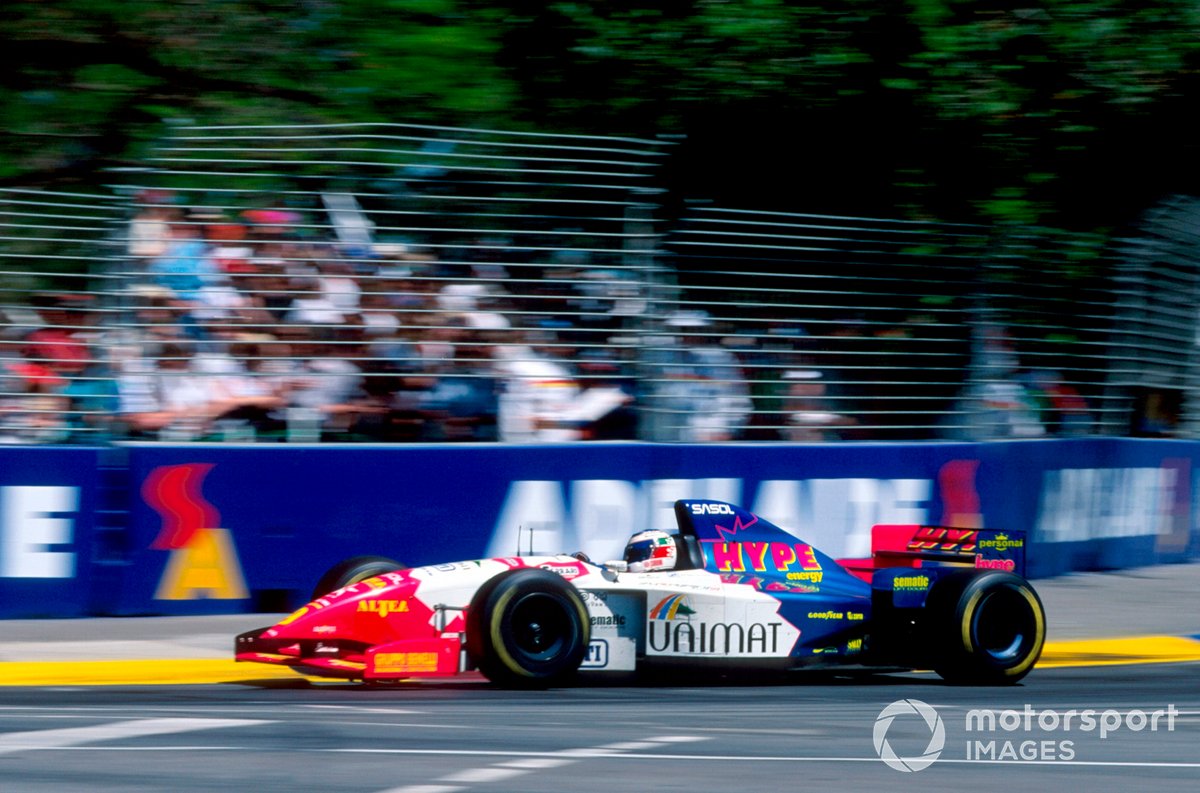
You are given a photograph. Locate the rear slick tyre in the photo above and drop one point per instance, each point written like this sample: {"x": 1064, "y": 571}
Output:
{"x": 988, "y": 628}
{"x": 528, "y": 628}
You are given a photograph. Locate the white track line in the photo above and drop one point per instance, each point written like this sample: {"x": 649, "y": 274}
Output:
{"x": 524, "y": 762}
{"x": 364, "y": 709}
{"x": 493, "y": 773}
{"x": 537, "y": 763}
{"x": 34, "y": 740}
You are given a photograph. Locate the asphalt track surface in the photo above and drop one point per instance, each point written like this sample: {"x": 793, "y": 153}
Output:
{"x": 812, "y": 734}
{"x": 266, "y": 729}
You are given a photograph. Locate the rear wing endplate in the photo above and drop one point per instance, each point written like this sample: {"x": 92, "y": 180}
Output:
{"x": 910, "y": 545}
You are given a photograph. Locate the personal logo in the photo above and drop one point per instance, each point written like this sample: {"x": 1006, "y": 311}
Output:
{"x": 203, "y": 559}
{"x": 1002, "y": 542}
{"x": 909, "y": 707}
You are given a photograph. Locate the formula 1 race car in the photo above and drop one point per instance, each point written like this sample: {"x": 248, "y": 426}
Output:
{"x": 726, "y": 590}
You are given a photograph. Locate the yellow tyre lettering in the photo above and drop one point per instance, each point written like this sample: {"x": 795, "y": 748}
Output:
{"x": 1039, "y": 631}
{"x": 499, "y": 647}
{"x": 968, "y": 616}
{"x": 501, "y": 655}
{"x": 1039, "y": 634}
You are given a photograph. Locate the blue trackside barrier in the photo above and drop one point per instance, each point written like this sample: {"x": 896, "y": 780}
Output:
{"x": 48, "y": 507}
{"x": 151, "y": 529}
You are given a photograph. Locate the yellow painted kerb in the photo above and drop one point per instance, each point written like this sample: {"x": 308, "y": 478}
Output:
{"x": 136, "y": 673}
{"x": 1088, "y": 652}
{"x": 1128, "y": 650}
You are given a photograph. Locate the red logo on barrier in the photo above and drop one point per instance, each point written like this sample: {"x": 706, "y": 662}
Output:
{"x": 173, "y": 491}
{"x": 960, "y": 498}
{"x": 203, "y": 561}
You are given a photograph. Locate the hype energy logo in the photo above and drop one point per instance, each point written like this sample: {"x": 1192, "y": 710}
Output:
{"x": 202, "y": 559}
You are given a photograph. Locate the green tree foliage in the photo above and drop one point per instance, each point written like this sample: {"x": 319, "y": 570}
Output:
{"x": 1067, "y": 99}
{"x": 90, "y": 80}
{"x": 1018, "y": 111}
{"x": 1028, "y": 110}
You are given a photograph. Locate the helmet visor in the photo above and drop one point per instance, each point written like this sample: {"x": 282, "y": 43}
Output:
{"x": 652, "y": 550}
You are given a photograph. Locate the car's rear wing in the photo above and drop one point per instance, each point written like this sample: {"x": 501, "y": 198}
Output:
{"x": 920, "y": 546}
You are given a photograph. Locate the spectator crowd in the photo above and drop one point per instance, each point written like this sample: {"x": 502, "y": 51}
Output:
{"x": 239, "y": 326}
{"x": 263, "y": 325}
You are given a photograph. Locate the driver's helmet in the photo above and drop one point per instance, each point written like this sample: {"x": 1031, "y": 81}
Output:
{"x": 651, "y": 550}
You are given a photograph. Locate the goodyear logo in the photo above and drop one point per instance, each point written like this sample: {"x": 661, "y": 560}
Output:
{"x": 383, "y": 607}
{"x": 911, "y": 582}
{"x": 826, "y": 615}
{"x": 1002, "y": 542}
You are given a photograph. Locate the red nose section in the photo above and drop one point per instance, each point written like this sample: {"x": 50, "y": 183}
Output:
{"x": 375, "y": 629}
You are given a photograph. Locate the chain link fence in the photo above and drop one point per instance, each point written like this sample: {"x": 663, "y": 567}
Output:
{"x": 392, "y": 283}
{"x": 1154, "y": 349}
{"x": 58, "y": 251}
{"x": 820, "y": 328}
{"x": 388, "y": 283}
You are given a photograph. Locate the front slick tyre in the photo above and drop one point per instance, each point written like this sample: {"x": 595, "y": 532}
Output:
{"x": 528, "y": 628}
{"x": 988, "y": 628}
{"x": 352, "y": 571}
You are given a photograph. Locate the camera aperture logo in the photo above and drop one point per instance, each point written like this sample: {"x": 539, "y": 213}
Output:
{"x": 1028, "y": 735}
{"x": 909, "y": 707}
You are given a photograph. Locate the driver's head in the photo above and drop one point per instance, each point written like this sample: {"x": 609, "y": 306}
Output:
{"x": 651, "y": 550}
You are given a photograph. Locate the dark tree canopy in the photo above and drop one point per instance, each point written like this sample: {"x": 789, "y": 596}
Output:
{"x": 1073, "y": 113}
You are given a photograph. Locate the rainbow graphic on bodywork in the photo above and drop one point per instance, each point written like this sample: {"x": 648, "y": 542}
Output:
{"x": 672, "y": 607}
